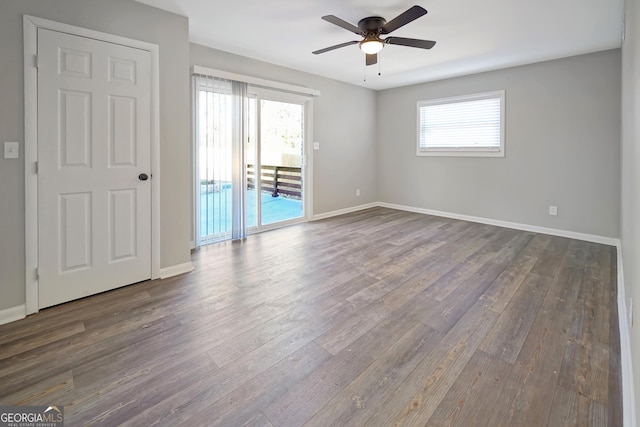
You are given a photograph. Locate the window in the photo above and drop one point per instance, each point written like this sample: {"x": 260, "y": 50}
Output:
{"x": 470, "y": 125}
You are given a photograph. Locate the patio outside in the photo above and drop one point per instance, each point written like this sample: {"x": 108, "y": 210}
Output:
{"x": 274, "y": 209}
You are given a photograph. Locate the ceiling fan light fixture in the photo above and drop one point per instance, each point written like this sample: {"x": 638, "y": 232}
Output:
{"x": 371, "y": 46}
{"x": 372, "y": 27}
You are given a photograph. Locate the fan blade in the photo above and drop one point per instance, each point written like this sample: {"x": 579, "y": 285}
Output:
{"x": 372, "y": 58}
{"x": 403, "y": 19}
{"x": 342, "y": 23}
{"x": 338, "y": 46}
{"x": 422, "y": 44}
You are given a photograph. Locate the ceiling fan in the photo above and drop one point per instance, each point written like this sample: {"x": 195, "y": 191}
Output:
{"x": 373, "y": 27}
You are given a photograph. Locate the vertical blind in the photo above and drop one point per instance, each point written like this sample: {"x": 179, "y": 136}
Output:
{"x": 471, "y": 124}
{"x": 220, "y": 108}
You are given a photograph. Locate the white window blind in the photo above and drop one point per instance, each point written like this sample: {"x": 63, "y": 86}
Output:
{"x": 467, "y": 125}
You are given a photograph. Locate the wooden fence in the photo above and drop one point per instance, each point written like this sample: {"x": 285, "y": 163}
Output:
{"x": 277, "y": 180}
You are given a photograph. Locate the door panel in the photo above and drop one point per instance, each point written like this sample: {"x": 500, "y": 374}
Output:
{"x": 281, "y": 160}
{"x": 75, "y": 231}
{"x": 122, "y": 224}
{"x": 75, "y": 126}
{"x": 94, "y": 214}
{"x": 122, "y": 131}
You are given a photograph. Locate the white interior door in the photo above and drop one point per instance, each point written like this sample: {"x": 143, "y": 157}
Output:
{"x": 94, "y": 206}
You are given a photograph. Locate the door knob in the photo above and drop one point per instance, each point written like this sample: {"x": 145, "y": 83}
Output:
{"x": 143, "y": 177}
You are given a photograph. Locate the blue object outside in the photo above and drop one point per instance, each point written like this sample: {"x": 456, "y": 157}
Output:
{"x": 217, "y": 220}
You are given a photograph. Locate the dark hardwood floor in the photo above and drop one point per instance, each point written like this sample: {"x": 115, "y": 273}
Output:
{"x": 375, "y": 318}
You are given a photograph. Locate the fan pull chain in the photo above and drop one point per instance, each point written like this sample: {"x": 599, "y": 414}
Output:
{"x": 379, "y": 61}
{"x": 364, "y": 73}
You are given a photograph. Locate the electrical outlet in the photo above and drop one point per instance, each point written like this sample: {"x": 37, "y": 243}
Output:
{"x": 316, "y": 145}
{"x": 553, "y": 210}
{"x": 358, "y": 192}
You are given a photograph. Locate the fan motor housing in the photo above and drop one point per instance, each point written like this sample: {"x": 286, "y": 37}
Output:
{"x": 372, "y": 24}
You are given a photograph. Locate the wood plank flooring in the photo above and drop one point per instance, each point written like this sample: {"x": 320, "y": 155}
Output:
{"x": 375, "y": 318}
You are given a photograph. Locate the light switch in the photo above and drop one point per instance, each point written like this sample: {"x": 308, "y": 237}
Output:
{"x": 11, "y": 150}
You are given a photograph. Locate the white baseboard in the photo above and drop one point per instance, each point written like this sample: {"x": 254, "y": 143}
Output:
{"x": 626, "y": 361}
{"x": 344, "y": 211}
{"x": 517, "y": 226}
{"x": 12, "y": 314}
{"x": 174, "y": 270}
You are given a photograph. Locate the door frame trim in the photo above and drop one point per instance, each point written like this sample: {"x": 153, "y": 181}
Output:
{"x": 30, "y": 33}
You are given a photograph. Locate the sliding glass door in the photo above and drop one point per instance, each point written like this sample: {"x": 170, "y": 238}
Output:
{"x": 271, "y": 129}
{"x": 276, "y": 160}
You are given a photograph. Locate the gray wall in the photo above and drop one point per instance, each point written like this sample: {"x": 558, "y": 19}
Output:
{"x": 343, "y": 123}
{"x": 125, "y": 18}
{"x": 630, "y": 177}
{"x": 562, "y": 148}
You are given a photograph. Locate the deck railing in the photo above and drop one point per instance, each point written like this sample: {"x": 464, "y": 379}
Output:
{"x": 277, "y": 180}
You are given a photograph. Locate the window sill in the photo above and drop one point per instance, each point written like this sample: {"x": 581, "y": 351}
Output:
{"x": 459, "y": 153}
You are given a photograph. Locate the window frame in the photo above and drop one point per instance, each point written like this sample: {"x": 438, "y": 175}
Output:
{"x": 467, "y": 151}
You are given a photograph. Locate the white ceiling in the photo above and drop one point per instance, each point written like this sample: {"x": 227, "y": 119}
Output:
{"x": 471, "y": 35}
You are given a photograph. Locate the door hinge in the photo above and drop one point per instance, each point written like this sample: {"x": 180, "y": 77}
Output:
{"x": 36, "y": 61}
{"x": 36, "y": 167}
{"x": 37, "y": 274}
